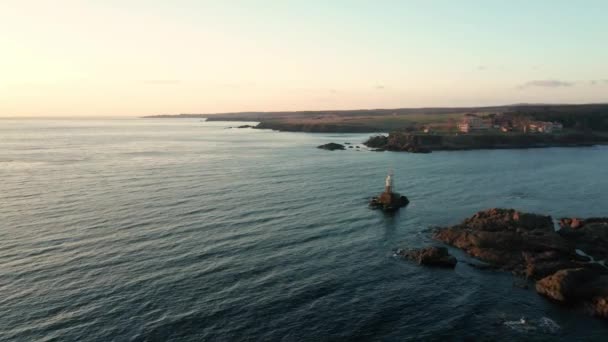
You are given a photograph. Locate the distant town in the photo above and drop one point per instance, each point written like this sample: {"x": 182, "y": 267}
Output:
{"x": 505, "y": 123}
{"x": 495, "y": 120}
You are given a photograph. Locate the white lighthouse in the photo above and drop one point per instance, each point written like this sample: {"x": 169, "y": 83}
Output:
{"x": 389, "y": 183}
{"x": 389, "y": 200}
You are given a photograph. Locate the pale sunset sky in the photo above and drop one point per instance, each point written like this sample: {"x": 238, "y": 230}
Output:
{"x": 131, "y": 57}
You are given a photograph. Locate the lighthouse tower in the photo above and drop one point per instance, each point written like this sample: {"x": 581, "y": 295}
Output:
{"x": 388, "y": 188}
{"x": 389, "y": 200}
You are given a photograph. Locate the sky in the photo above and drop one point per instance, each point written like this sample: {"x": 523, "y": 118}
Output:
{"x": 131, "y": 57}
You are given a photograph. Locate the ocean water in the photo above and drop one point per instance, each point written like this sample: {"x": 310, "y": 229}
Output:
{"x": 183, "y": 230}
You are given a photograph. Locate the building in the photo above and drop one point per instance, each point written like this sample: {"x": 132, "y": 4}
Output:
{"x": 544, "y": 127}
{"x": 472, "y": 122}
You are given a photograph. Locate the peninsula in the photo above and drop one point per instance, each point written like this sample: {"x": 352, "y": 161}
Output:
{"x": 431, "y": 129}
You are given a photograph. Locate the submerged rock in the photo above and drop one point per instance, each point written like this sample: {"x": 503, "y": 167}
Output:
{"x": 431, "y": 256}
{"x": 331, "y": 147}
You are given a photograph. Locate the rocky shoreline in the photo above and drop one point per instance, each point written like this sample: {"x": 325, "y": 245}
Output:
{"x": 425, "y": 143}
{"x": 529, "y": 246}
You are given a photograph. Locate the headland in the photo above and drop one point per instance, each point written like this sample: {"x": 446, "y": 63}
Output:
{"x": 422, "y": 130}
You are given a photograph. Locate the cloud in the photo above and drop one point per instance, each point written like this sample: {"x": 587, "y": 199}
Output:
{"x": 482, "y": 67}
{"x": 379, "y": 87}
{"x": 546, "y": 84}
{"x": 162, "y": 82}
{"x": 596, "y": 82}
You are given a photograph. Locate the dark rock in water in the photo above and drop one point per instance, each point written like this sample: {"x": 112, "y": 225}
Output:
{"x": 423, "y": 142}
{"x": 590, "y": 236}
{"x": 431, "y": 256}
{"x": 416, "y": 149}
{"x": 576, "y": 223}
{"x": 573, "y": 284}
{"x": 246, "y": 126}
{"x": 598, "y": 306}
{"x": 573, "y": 223}
{"x": 389, "y": 201}
{"x": 350, "y": 147}
{"x": 331, "y": 147}
{"x": 358, "y": 146}
{"x": 346, "y": 143}
{"x": 394, "y": 142}
{"x": 525, "y": 244}
{"x": 578, "y": 286}
{"x": 377, "y": 141}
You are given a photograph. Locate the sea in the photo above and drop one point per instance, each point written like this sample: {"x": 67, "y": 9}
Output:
{"x": 186, "y": 230}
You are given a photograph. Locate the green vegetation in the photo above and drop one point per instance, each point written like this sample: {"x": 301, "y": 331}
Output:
{"x": 575, "y": 118}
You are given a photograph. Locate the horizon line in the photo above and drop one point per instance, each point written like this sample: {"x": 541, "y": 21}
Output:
{"x": 115, "y": 116}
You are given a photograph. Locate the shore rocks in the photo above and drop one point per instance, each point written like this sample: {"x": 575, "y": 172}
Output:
{"x": 424, "y": 143}
{"x": 331, "y": 147}
{"x": 576, "y": 286}
{"x": 431, "y": 256}
{"x": 398, "y": 142}
{"x": 376, "y": 141}
{"x": 589, "y": 235}
{"x": 599, "y": 306}
{"x": 389, "y": 201}
{"x": 523, "y": 243}
{"x": 528, "y": 245}
{"x": 567, "y": 285}
{"x": 246, "y": 126}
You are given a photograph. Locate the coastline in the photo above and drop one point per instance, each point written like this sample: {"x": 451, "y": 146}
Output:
{"x": 423, "y": 130}
{"x": 423, "y": 143}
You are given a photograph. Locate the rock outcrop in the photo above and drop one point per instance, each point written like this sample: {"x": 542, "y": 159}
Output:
{"x": 331, "y": 147}
{"x": 399, "y": 142}
{"x": 528, "y": 245}
{"x": 589, "y": 235}
{"x": 523, "y": 243}
{"x": 424, "y": 143}
{"x": 430, "y": 256}
{"x": 389, "y": 201}
{"x": 576, "y": 286}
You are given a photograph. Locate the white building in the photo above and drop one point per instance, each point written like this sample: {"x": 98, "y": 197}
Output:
{"x": 472, "y": 122}
{"x": 544, "y": 127}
